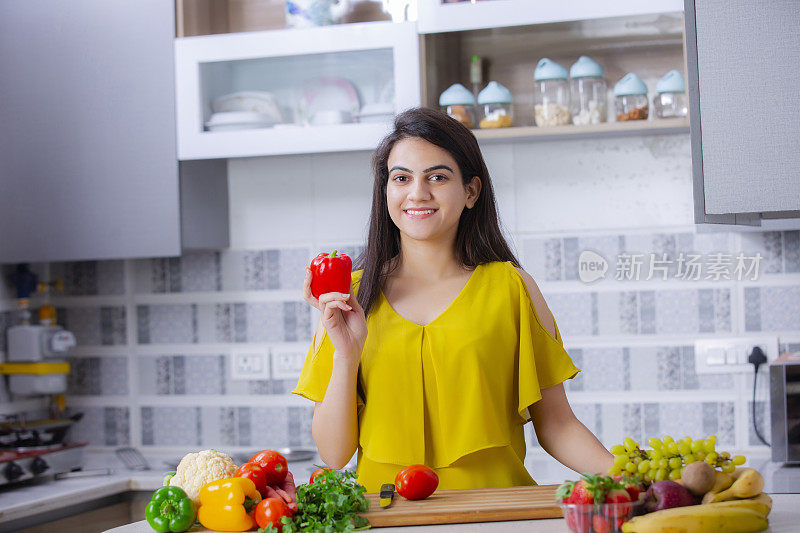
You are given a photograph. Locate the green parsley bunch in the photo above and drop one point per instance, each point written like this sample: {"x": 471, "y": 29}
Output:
{"x": 329, "y": 505}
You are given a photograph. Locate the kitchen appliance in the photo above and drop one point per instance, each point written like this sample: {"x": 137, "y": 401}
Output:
{"x": 466, "y": 505}
{"x": 784, "y": 380}
{"x": 37, "y": 356}
{"x": 21, "y": 464}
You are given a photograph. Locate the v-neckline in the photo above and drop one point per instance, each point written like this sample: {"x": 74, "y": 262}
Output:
{"x": 446, "y": 309}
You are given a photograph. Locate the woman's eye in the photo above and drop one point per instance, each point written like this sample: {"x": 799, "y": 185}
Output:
{"x": 399, "y": 178}
{"x": 438, "y": 177}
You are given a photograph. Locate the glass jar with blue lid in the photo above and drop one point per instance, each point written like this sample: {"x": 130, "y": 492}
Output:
{"x": 459, "y": 102}
{"x": 631, "y": 98}
{"x": 670, "y": 102}
{"x": 588, "y": 92}
{"x": 551, "y": 94}
{"x": 495, "y": 103}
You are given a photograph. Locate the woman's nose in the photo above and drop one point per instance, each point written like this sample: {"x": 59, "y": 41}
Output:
{"x": 420, "y": 190}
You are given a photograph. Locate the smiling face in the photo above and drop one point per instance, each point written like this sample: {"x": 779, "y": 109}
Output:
{"x": 425, "y": 193}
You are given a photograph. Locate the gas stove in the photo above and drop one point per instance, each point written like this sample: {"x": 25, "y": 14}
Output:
{"x": 21, "y": 464}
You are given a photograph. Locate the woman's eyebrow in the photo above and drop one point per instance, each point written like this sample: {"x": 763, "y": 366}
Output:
{"x": 435, "y": 167}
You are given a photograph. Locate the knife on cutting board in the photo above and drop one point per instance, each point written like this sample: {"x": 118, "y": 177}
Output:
{"x": 386, "y": 495}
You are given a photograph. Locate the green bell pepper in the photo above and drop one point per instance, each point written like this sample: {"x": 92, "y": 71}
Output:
{"x": 170, "y": 511}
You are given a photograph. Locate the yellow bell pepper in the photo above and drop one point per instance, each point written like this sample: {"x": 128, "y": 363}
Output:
{"x": 227, "y": 504}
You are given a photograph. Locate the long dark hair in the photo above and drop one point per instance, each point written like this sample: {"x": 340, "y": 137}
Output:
{"x": 478, "y": 238}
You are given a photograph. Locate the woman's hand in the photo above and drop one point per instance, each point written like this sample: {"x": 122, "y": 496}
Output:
{"x": 285, "y": 491}
{"x": 342, "y": 317}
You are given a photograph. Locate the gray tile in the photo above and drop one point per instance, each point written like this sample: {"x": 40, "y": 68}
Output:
{"x": 723, "y": 322}
{"x": 752, "y": 309}
{"x": 632, "y": 421}
{"x": 669, "y": 368}
{"x": 688, "y": 369}
{"x": 244, "y": 429}
{"x": 200, "y": 271}
{"x": 169, "y": 324}
{"x": 79, "y": 277}
{"x": 113, "y": 326}
{"x": 676, "y": 312}
{"x": 651, "y": 420}
{"x": 780, "y": 308}
{"x": 106, "y": 375}
{"x": 553, "y": 265}
{"x": 769, "y": 245}
{"x": 265, "y": 322}
{"x": 299, "y": 426}
{"x": 571, "y": 253}
{"x": 102, "y": 426}
{"x": 791, "y": 251}
{"x": 269, "y": 427}
{"x": 602, "y": 369}
{"x": 726, "y": 434}
{"x": 143, "y": 324}
{"x": 626, "y": 369}
{"x": 628, "y": 312}
{"x": 647, "y": 312}
{"x": 710, "y": 418}
{"x": 171, "y": 426}
{"x": 705, "y": 310}
{"x": 595, "y": 314}
{"x": 6, "y": 321}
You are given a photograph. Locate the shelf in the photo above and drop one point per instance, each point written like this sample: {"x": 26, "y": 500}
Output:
{"x": 607, "y": 129}
{"x": 437, "y": 17}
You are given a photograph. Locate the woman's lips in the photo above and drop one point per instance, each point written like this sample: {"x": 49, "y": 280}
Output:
{"x": 419, "y": 214}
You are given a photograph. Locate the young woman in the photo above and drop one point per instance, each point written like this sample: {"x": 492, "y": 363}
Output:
{"x": 444, "y": 347}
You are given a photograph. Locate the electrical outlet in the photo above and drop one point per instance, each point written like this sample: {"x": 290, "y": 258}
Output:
{"x": 729, "y": 355}
{"x": 287, "y": 363}
{"x": 249, "y": 366}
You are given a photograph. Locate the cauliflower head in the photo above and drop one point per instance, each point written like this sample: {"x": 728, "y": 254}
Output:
{"x": 197, "y": 469}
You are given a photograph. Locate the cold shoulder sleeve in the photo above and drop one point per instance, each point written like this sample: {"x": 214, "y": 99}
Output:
{"x": 318, "y": 367}
{"x": 543, "y": 361}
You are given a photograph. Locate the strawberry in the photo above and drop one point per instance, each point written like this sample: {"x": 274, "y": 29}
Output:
{"x": 602, "y": 524}
{"x": 584, "y": 491}
{"x": 622, "y": 499}
{"x": 631, "y": 485}
{"x": 578, "y": 522}
{"x": 564, "y": 491}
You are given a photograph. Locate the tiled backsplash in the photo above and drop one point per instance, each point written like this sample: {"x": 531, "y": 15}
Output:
{"x": 159, "y": 338}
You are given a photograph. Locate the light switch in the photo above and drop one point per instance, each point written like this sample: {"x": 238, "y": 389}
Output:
{"x": 732, "y": 356}
{"x": 715, "y": 356}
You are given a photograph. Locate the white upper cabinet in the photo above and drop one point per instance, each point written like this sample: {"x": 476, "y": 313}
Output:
{"x": 437, "y": 16}
{"x": 326, "y": 89}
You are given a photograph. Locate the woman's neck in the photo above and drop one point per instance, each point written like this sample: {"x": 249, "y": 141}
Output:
{"x": 427, "y": 261}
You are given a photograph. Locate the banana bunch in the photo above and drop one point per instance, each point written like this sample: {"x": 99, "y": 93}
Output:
{"x": 735, "y": 504}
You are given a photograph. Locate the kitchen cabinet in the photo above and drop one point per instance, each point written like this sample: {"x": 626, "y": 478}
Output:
{"x": 745, "y": 122}
{"x": 649, "y": 44}
{"x": 437, "y": 16}
{"x": 88, "y": 155}
{"x": 319, "y": 80}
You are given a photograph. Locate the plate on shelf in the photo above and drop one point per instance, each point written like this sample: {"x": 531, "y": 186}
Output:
{"x": 249, "y": 101}
{"x": 329, "y": 100}
{"x": 239, "y": 120}
{"x": 376, "y": 113}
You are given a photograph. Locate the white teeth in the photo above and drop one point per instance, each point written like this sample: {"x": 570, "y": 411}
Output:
{"x": 425, "y": 212}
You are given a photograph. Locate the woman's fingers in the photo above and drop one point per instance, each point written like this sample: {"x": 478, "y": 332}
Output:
{"x": 307, "y": 295}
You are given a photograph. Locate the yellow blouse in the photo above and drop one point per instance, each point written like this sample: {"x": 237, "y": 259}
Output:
{"x": 453, "y": 394}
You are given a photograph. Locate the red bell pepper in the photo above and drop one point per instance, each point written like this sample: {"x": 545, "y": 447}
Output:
{"x": 330, "y": 273}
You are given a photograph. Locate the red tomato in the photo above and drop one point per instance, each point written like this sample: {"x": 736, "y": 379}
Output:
{"x": 270, "y": 511}
{"x": 254, "y": 473}
{"x": 274, "y": 465}
{"x": 416, "y": 482}
{"x": 318, "y": 472}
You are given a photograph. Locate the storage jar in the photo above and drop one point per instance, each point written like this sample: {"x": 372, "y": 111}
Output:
{"x": 458, "y": 102}
{"x": 670, "y": 102}
{"x": 631, "y": 98}
{"x": 495, "y": 102}
{"x": 588, "y": 92}
{"x": 551, "y": 94}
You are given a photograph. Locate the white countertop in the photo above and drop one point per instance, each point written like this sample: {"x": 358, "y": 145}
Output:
{"x": 783, "y": 519}
{"x": 35, "y": 499}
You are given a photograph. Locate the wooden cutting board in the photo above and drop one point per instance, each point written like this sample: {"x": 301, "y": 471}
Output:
{"x": 466, "y": 505}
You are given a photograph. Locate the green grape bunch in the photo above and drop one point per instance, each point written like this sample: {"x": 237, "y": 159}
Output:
{"x": 667, "y": 458}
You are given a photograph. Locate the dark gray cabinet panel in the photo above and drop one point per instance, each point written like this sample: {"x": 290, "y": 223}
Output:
{"x": 742, "y": 60}
{"x": 88, "y": 166}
